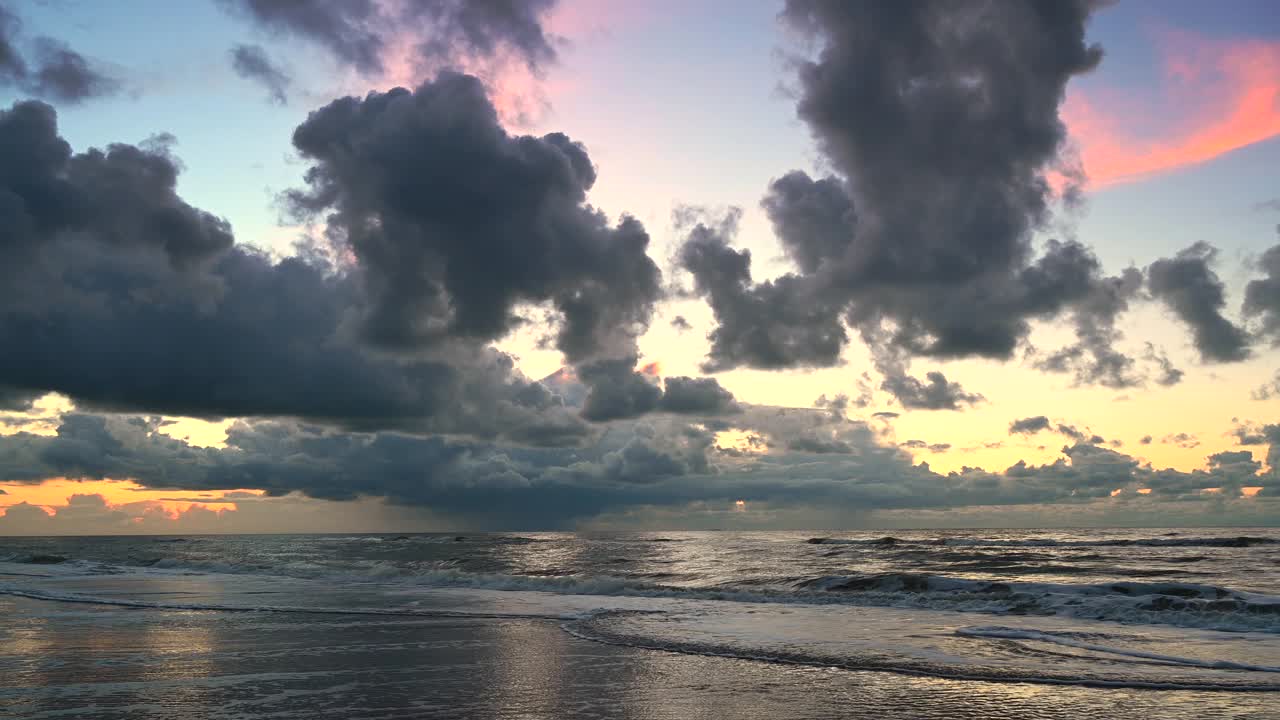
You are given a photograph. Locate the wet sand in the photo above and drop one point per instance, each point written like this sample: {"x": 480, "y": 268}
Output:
{"x": 63, "y": 660}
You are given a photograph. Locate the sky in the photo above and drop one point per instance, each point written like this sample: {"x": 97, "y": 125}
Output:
{"x": 373, "y": 265}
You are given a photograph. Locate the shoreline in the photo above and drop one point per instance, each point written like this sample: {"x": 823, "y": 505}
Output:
{"x": 119, "y": 662}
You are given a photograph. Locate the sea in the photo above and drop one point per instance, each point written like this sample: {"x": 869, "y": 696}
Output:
{"x": 1109, "y": 623}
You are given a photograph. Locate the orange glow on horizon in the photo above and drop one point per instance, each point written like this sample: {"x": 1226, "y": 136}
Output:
{"x": 1250, "y": 491}
{"x": 1228, "y": 91}
{"x": 56, "y": 493}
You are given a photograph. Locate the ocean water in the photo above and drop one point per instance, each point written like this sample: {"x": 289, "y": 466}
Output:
{"x": 1176, "y": 617}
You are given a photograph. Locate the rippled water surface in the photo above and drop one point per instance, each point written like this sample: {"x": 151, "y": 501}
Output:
{"x": 1135, "y": 611}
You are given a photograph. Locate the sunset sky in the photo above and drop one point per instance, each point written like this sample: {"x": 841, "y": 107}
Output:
{"x": 609, "y": 264}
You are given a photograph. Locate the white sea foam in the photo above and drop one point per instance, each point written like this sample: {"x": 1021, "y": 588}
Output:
{"x": 916, "y": 638}
{"x": 1178, "y": 604}
{"x": 83, "y": 598}
{"x": 1240, "y": 541}
{"x": 1007, "y": 633}
{"x": 930, "y": 643}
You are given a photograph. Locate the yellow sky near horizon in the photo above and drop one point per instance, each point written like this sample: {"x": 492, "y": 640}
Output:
{"x": 55, "y": 493}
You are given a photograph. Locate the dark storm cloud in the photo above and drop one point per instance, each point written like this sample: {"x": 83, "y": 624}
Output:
{"x": 936, "y": 393}
{"x": 757, "y": 325}
{"x": 62, "y": 74}
{"x": 819, "y": 446}
{"x": 544, "y": 487}
{"x": 487, "y": 27}
{"x": 12, "y": 67}
{"x": 1040, "y": 423}
{"x": 899, "y": 95}
{"x": 696, "y": 396}
{"x": 644, "y": 459}
{"x": 640, "y": 462}
{"x": 1093, "y": 359}
{"x": 1262, "y": 296}
{"x": 921, "y": 245}
{"x": 773, "y": 324}
{"x": 1029, "y": 426}
{"x": 272, "y": 456}
{"x": 1189, "y": 287}
{"x": 1080, "y": 436}
{"x": 20, "y": 400}
{"x": 1254, "y": 434}
{"x": 53, "y": 70}
{"x": 454, "y": 223}
{"x": 350, "y": 29}
{"x": 813, "y": 218}
{"x": 122, "y": 199}
{"x": 1251, "y": 434}
{"x": 276, "y": 456}
{"x": 817, "y": 431}
{"x": 651, "y": 463}
{"x": 360, "y": 32}
{"x": 1235, "y": 462}
{"x": 121, "y": 295}
{"x": 616, "y": 391}
{"x": 251, "y": 62}
{"x": 268, "y": 345}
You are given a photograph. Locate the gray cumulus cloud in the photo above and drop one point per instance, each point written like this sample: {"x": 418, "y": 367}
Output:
{"x": 921, "y": 246}
{"x": 663, "y": 462}
{"x": 1189, "y": 287}
{"x": 121, "y": 295}
{"x": 49, "y": 69}
{"x": 411, "y": 182}
{"x": 251, "y": 62}
{"x": 359, "y": 33}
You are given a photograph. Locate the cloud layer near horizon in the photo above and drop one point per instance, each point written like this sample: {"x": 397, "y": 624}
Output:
{"x": 822, "y": 460}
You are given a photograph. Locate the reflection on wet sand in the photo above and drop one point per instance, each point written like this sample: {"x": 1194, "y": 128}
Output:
{"x": 60, "y": 660}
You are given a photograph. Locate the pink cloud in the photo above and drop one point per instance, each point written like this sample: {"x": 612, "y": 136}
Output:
{"x": 518, "y": 93}
{"x": 523, "y": 96}
{"x": 1214, "y": 96}
{"x": 581, "y": 20}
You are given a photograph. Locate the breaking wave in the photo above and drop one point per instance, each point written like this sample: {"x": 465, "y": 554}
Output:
{"x": 1242, "y": 541}
{"x": 1098, "y": 664}
{"x": 1159, "y": 603}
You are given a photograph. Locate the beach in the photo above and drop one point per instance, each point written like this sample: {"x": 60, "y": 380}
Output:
{"x": 84, "y": 638}
{"x": 63, "y": 660}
